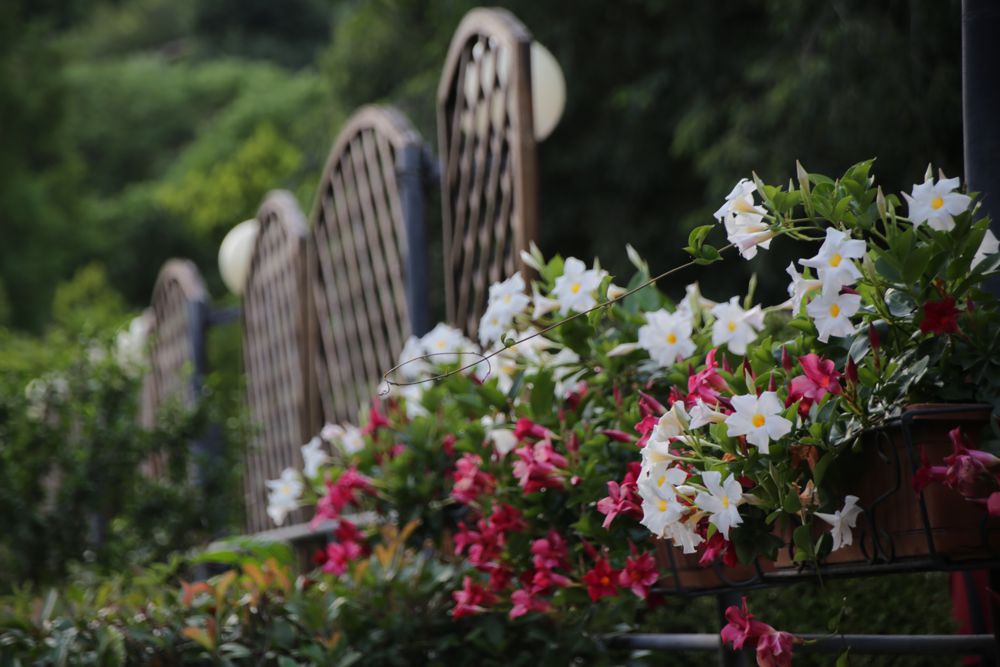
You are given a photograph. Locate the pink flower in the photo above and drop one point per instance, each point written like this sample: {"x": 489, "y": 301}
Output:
{"x": 339, "y": 554}
{"x": 715, "y": 547}
{"x": 472, "y": 599}
{"x": 639, "y": 574}
{"x": 601, "y": 579}
{"x": 537, "y": 467}
{"x": 645, "y": 428}
{"x": 618, "y": 436}
{"x": 500, "y": 578}
{"x": 348, "y": 532}
{"x": 971, "y": 472}
{"x": 620, "y": 500}
{"x": 549, "y": 552}
{"x": 742, "y": 627}
{"x": 506, "y": 518}
{"x": 543, "y": 580}
{"x": 339, "y": 494}
{"x": 376, "y": 420}
{"x": 524, "y": 600}
{"x": 470, "y": 481}
{"x": 707, "y": 385}
{"x": 774, "y": 649}
{"x": 650, "y": 406}
{"x": 820, "y": 378}
{"x": 448, "y": 444}
{"x": 526, "y": 428}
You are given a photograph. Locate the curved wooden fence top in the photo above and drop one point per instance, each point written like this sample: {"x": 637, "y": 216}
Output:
{"x": 368, "y": 261}
{"x": 275, "y": 349}
{"x": 489, "y": 166}
{"x": 177, "y": 310}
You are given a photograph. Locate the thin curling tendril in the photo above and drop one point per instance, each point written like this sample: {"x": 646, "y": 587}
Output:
{"x": 387, "y": 384}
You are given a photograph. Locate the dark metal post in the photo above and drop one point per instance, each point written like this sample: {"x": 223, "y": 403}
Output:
{"x": 980, "y": 105}
{"x": 411, "y": 188}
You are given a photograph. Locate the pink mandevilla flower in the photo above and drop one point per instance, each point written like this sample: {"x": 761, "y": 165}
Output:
{"x": 537, "y": 467}
{"x": 639, "y": 574}
{"x": 820, "y": 377}
{"x": 707, "y": 385}
{"x": 470, "y": 481}
{"x": 525, "y": 600}
{"x": 472, "y": 599}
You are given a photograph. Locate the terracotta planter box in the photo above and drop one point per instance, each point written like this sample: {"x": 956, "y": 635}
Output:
{"x": 692, "y": 577}
{"x": 892, "y": 526}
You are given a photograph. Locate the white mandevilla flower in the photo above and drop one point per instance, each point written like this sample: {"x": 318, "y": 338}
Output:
{"x": 800, "y": 288}
{"x": 507, "y": 300}
{"x": 702, "y": 414}
{"x": 833, "y": 261}
{"x": 503, "y": 440}
{"x": 566, "y": 371}
{"x": 936, "y": 203}
{"x": 446, "y": 343}
{"x": 412, "y": 394}
{"x": 747, "y": 232}
{"x": 831, "y": 313}
{"x": 574, "y": 289}
{"x": 411, "y": 364}
{"x": 842, "y": 521}
{"x": 684, "y": 534}
{"x": 660, "y": 507}
{"x": 622, "y": 349}
{"x": 988, "y": 246}
{"x": 666, "y": 337}
{"x": 722, "y": 501}
{"x": 541, "y": 305}
{"x": 670, "y": 427}
{"x": 734, "y": 326}
{"x": 758, "y": 418}
{"x": 313, "y": 457}
{"x": 283, "y": 495}
{"x": 740, "y": 202}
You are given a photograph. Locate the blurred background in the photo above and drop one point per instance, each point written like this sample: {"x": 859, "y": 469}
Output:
{"x": 132, "y": 131}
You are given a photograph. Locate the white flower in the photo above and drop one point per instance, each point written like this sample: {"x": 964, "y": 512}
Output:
{"x": 831, "y": 313}
{"x": 622, "y": 349}
{"x": 800, "y": 288}
{"x": 313, "y": 457}
{"x": 413, "y": 366}
{"x": 507, "y": 300}
{"x": 283, "y": 495}
{"x": 702, "y": 414}
{"x": 660, "y": 507}
{"x": 739, "y": 202}
{"x": 445, "y": 342}
{"x": 988, "y": 246}
{"x": 565, "y": 371}
{"x": 833, "y": 261}
{"x": 722, "y": 500}
{"x": 936, "y": 203}
{"x": 412, "y": 395}
{"x": 574, "y": 289}
{"x": 734, "y": 326}
{"x": 666, "y": 337}
{"x": 842, "y": 521}
{"x": 503, "y": 440}
{"x": 541, "y": 305}
{"x": 671, "y": 426}
{"x": 616, "y": 292}
{"x": 747, "y": 232}
{"x": 684, "y": 535}
{"x": 349, "y": 438}
{"x": 758, "y": 418}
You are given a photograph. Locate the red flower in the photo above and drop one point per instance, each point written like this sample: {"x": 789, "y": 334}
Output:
{"x": 448, "y": 444}
{"x": 645, "y": 427}
{"x": 715, "y": 547}
{"x": 549, "y": 552}
{"x": 820, "y": 378}
{"x": 618, "y": 436}
{"x": 524, "y": 600}
{"x": 339, "y": 494}
{"x": 742, "y": 628}
{"x": 968, "y": 471}
{"x": 472, "y": 599}
{"x": 601, "y": 580}
{"x": 500, "y": 578}
{"x": 940, "y": 316}
{"x": 706, "y": 385}
{"x": 376, "y": 420}
{"x": 639, "y": 574}
{"x": 536, "y": 469}
{"x": 339, "y": 554}
{"x": 470, "y": 481}
{"x": 506, "y": 518}
{"x": 649, "y": 405}
{"x": 526, "y": 428}
{"x": 774, "y": 649}
{"x": 348, "y": 532}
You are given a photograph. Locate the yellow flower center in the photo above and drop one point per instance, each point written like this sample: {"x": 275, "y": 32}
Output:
{"x": 937, "y": 203}
{"x": 834, "y": 310}
{"x": 440, "y": 345}
{"x": 506, "y": 298}
{"x": 836, "y": 260}
{"x": 661, "y": 480}
{"x": 671, "y": 339}
{"x": 732, "y": 327}
{"x": 758, "y": 420}
{"x": 663, "y": 505}
{"x": 574, "y": 288}
{"x": 605, "y": 581}
{"x": 725, "y": 502}
{"x": 286, "y": 490}
{"x": 742, "y": 205}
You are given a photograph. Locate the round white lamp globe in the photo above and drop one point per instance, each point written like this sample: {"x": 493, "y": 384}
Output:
{"x": 548, "y": 90}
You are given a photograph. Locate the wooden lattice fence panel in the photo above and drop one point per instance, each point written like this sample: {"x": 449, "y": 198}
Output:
{"x": 487, "y": 145}
{"x": 368, "y": 268}
{"x": 275, "y": 350}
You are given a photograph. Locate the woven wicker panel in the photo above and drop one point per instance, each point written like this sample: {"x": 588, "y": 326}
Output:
{"x": 275, "y": 348}
{"x": 361, "y": 270}
{"x": 176, "y": 319}
{"x": 487, "y": 147}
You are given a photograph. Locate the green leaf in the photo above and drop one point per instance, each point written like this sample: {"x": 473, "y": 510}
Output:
{"x": 542, "y": 396}
{"x": 819, "y": 472}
